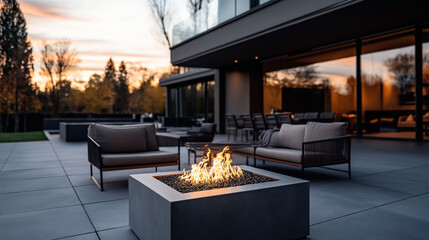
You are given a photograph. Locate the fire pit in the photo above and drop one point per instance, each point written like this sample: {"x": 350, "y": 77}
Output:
{"x": 222, "y": 174}
{"x": 232, "y": 202}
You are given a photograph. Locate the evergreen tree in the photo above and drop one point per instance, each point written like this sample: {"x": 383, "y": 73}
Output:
{"x": 122, "y": 90}
{"x": 110, "y": 72}
{"x": 110, "y": 84}
{"x": 16, "y": 52}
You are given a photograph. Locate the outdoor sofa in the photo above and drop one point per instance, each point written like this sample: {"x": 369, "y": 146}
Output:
{"x": 119, "y": 147}
{"x": 306, "y": 145}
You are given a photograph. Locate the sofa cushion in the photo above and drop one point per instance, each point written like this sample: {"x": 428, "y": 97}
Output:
{"x": 141, "y": 158}
{"x": 275, "y": 141}
{"x": 284, "y": 154}
{"x": 151, "y": 138}
{"x": 242, "y": 149}
{"x": 119, "y": 139}
{"x": 318, "y": 131}
{"x": 291, "y": 136}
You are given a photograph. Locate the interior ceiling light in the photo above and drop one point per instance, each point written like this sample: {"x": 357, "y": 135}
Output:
{"x": 236, "y": 61}
{"x": 256, "y": 57}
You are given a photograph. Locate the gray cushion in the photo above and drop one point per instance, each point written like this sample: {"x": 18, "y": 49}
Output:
{"x": 318, "y": 131}
{"x": 119, "y": 139}
{"x": 209, "y": 128}
{"x": 151, "y": 138}
{"x": 284, "y": 154}
{"x": 142, "y": 158}
{"x": 242, "y": 149}
{"x": 275, "y": 141}
{"x": 292, "y": 136}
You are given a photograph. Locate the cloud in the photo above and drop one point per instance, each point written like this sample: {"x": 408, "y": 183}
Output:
{"x": 122, "y": 54}
{"x": 46, "y": 11}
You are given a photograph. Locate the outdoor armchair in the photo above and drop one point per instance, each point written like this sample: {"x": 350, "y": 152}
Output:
{"x": 114, "y": 147}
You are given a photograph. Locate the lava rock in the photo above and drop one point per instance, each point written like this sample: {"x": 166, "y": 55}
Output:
{"x": 186, "y": 187}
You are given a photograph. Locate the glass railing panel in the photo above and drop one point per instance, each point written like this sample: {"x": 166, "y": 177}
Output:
{"x": 209, "y": 16}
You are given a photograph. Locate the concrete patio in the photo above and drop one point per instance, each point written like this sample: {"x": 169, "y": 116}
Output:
{"x": 46, "y": 193}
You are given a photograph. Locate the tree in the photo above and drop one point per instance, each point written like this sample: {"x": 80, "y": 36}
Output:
{"x": 122, "y": 90}
{"x": 402, "y": 68}
{"x": 16, "y": 52}
{"x": 148, "y": 97}
{"x": 110, "y": 72}
{"x": 57, "y": 61}
{"x": 195, "y": 5}
{"x": 299, "y": 77}
{"x": 110, "y": 84}
{"x": 162, "y": 16}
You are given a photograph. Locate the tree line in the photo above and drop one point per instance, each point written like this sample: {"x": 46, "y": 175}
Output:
{"x": 110, "y": 92}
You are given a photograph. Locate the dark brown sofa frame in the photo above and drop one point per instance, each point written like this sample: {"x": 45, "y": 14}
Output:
{"x": 318, "y": 153}
{"x": 94, "y": 157}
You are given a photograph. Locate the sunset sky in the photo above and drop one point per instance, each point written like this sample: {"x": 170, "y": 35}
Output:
{"x": 99, "y": 29}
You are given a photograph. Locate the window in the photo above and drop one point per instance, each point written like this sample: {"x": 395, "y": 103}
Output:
{"x": 318, "y": 82}
{"x": 193, "y": 101}
{"x": 388, "y": 86}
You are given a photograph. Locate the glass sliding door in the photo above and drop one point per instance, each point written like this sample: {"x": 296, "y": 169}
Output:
{"x": 425, "y": 87}
{"x": 192, "y": 102}
{"x": 325, "y": 83}
{"x": 388, "y": 86}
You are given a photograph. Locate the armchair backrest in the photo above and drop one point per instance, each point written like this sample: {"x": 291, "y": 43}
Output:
{"x": 208, "y": 128}
{"x": 259, "y": 121}
{"x": 231, "y": 121}
{"x": 124, "y": 138}
{"x": 248, "y": 121}
{"x": 272, "y": 121}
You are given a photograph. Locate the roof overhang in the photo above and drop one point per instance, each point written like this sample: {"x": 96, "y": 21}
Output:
{"x": 338, "y": 21}
{"x": 195, "y": 75}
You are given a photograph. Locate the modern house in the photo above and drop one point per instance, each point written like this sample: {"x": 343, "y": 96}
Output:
{"x": 367, "y": 61}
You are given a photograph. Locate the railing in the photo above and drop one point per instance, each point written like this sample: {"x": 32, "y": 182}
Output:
{"x": 211, "y": 15}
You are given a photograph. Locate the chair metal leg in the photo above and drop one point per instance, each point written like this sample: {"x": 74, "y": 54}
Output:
{"x": 254, "y": 162}
{"x": 350, "y": 171}
{"x": 156, "y": 169}
{"x": 263, "y": 162}
{"x": 247, "y": 160}
{"x": 101, "y": 180}
{"x": 189, "y": 156}
{"x": 99, "y": 185}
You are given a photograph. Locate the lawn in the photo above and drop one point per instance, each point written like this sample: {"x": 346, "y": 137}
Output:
{"x": 22, "y": 137}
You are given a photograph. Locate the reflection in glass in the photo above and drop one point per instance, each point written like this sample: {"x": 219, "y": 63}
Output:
{"x": 193, "y": 101}
{"x": 322, "y": 87}
{"x": 209, "y": 16}
{"x": 388, "y": 93}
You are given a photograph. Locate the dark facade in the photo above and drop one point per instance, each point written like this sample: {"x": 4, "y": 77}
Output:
{"x": 367, "y": 61}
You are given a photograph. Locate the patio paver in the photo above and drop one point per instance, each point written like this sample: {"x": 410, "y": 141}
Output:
{"x": 46, "y": 192}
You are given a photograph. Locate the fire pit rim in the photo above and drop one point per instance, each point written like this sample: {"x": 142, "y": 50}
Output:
{"x": 173, "y": 195}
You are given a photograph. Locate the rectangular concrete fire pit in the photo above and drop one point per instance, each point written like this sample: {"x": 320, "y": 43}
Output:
{"x": 270, "y": 210}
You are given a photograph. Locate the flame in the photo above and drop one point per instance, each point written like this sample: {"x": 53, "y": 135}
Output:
{"x": 222, "y": 170}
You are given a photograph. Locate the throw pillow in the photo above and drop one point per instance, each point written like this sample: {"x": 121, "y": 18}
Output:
{"x": 121, "y": 139}
{"x": 291, "y": 136}
{"x": 319, "y": 131}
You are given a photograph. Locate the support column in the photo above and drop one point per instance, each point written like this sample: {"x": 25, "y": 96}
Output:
{"x": 358, "y": 88}
{"x": 256, "y": 88}
{"x": 419, "y": 81}
{"x": 220, "y": 100}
